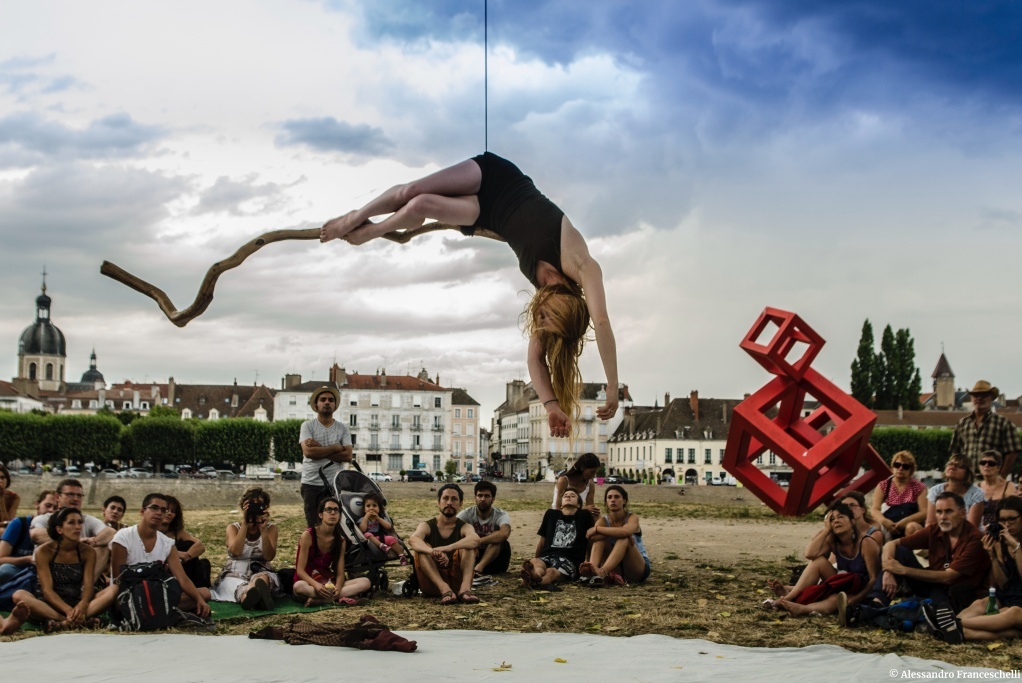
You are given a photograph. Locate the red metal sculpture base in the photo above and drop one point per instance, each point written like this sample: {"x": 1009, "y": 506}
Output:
{"x": 825, "y": 448}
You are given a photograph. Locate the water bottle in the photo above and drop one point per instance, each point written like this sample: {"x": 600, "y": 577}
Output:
{"x": 397, "y": 587}
{"x": 992, "y": 602}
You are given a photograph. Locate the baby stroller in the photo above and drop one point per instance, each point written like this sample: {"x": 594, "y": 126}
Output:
{"x": 362, "y": 556}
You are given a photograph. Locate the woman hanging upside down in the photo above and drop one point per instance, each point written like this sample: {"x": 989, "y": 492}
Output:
{"x": 490, "y": 197}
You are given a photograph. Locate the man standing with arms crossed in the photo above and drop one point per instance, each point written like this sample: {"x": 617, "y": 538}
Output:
{"x": 325, "y": 444}
{"x": 984, "y": 430}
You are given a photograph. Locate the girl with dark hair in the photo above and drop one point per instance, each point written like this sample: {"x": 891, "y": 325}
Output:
{"x": 1005, "y": 550}
{"x": 248, "y": 577}
{"x": 9, "y": 500}
{"x": 490, "y": 197}
{"x": 864, "y": 523}
{"x": 618, "y": 554}
{"x": 822, "y": 589}
{"x": 377, "y": 529}
{"x": 319, "y": 565}
{"x": 66, "y": 568}
{"x": 580, "y": 479}
{"x": 189, "y": 548}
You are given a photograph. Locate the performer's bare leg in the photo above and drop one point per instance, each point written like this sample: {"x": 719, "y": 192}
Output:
{"x": 447, "y": 195}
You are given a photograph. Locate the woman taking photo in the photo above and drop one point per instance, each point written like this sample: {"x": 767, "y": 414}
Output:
{"x": 580, "y": 478}
{"x": 903, "y": 495}
{"x": 490, "y": 197}
{"x": 319, "y": 566}
{"x": 618, "y": 554}
{"x": 248, "y": 577}
{"x": 995, "y": 488}
{"x": 66, "y": 568}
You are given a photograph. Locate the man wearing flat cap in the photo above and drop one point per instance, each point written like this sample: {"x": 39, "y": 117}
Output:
{"x": 985, "y": 430}
{"x": 325, "y": 444}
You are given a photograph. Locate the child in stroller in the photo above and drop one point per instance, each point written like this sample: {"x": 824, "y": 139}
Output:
{"x": 352, "y": 488}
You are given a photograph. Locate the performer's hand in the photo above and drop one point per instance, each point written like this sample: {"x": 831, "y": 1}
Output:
{"x": 608, "y": 409}
{"x": 558, "y": 421}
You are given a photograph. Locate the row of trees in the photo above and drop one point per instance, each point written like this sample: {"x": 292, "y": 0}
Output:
{"x": 889, "y": 379}
{"x": 157, "y": 440}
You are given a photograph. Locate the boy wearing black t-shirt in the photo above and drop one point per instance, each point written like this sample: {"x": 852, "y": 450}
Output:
{"x": 562, "y": 545}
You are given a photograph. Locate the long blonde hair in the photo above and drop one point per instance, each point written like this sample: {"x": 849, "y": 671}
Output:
{"x": 562, "y": 334}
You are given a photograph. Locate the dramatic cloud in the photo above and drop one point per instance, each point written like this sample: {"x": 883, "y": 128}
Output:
{"x": 116, "y": 135}
{"x": 327, "y": 134}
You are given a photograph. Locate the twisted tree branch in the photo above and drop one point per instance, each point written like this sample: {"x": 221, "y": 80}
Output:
{"x": 204, "y": 297}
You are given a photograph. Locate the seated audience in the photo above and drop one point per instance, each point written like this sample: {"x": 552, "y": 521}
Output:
{"x": 95, "y": 533}
{"x": 144, "y": 543}
{"x": 958, "y": 565}
{"x": 9, "y": 500}
{"x": 1005, "y": 552}
{"x": 66, "y": 568}
{"x": 376, "y": 527}
{"x": 16, "y": 546}
{"x": 958, "y": 480}
{"x": 618, "y": 554}
{"x": 561, "y": 547}
{"x": 995, "y": 488}
{"x": 248, "y": 577}
{"x": 114, "y": 508}
{"x": 445, "y": 550}
{"x": 493, "y": 527}
{"x": 189, "y": 548}
{"x": 580, "y": 478}
{"x": 900, "y": 500}
{"x": 822, "y": 588}
{"x": 319, "y": 566}
{"x": 864, "y": 523}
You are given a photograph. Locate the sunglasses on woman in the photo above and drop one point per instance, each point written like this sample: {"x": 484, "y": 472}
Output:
{"x": 989, "y": 463}
{"x": 901, "y": 465}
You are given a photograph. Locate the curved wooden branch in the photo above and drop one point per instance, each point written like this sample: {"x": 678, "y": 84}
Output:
{"x": 205, "y": 295}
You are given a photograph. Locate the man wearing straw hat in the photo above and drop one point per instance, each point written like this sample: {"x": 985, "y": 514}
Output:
{"x": 325, "y": 444}
{"x": 984, "y": 430}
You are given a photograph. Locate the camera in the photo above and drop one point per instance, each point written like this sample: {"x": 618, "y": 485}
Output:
{"x": 255, "y": 510}
{"x": 994, "y": 529}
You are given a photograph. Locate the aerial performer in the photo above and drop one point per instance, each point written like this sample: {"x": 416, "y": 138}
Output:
{"x": 486, "y": 196}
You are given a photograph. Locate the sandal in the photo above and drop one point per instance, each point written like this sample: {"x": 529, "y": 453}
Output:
{"x": 449, "y": 598}
{"x": 467, "y": 598}
{"x": 596, "y": 582}
{"x": 346, "y": 601}
{"x": 615, "y": 579}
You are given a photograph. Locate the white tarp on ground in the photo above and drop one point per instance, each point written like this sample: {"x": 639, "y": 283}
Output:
{"x": 446, "y": 656}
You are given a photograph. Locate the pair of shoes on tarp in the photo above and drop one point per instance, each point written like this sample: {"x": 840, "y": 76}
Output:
{"x": 482, "y": 580}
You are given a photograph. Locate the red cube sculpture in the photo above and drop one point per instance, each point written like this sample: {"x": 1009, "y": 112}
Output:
{"x": 791, "y": 330}
{"x": 772, "y": 420}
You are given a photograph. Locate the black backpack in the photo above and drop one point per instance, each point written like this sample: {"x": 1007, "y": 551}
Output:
{"x": 148, "y": 598}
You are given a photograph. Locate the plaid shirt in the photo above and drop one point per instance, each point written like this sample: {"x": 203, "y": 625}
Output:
{"x": 994, "y": 433}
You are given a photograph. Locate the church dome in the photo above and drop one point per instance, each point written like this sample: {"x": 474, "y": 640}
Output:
{"x": 92, "y": 375}
{"x": 42, "y": 338}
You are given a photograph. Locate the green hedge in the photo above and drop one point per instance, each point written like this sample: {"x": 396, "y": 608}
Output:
{"x": 285, "y": 440}
{"x": 22, "y": 436}
{"x": 162, "y": 440}
{"x": 929, "y": 446}
{"x": 239, "y": 441}
{"x": 82, "y": 438}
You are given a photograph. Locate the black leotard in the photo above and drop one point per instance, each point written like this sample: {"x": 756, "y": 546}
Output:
{"x": 511, "y": 206}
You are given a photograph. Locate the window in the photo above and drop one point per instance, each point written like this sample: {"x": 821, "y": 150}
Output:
{"x": 395, "y": 462}
{"x": 374, "y": 400}
{"x": 353, "y": 401}
{"x": 471, "y": 413}
{"x": 214, "y": 414}
{"x": 457, "y": 429}
{"x": 374, "y": 420}
{"x": 126, "y": 405}
{"x": 374, "y": 444}
{"x": 708, "y": 457}
{"x": 470, "y": 430}
{"x": 145, "y": 405}
{"x": 374, "y": 457}
{"x": 93, "y": 404}
{"x": 110, "y": 405}
{"x": 691, "y": 456}
{"x": 721, "y": 455}
{"x": 436, "y": 442}
{"x": 417, "y": 401}
{"x": 437, "y": 402}
{"x": 457, "y": 449}
{"x": 773, "y": 458}
{"x": 76, "y": 403}
{"x": 457, "y": 413}
{"x": 354, "y": 439}
{"x": 31, "y": 371}
{"x": 436, "y": 460}
{"x": 395, "y": 422}
{"x": 353, "y": 420}
{"x": 186, "y": 414}
{"x": 395, "y": 441}
{"x": 292, "y": 400}
{"x": 668, "y": 455}
{"x": 436, "y": 423}
{"x": 416, "y": 441}
{"x": 49, "y": 371}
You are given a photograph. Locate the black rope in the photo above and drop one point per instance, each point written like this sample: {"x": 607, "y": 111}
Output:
{"x": 486, "y": 76}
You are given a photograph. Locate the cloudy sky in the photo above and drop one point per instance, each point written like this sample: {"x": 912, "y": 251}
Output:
{"x": 841, "y": 160}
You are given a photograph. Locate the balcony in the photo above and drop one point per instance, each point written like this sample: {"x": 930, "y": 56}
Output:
{"x": 436, "y": 447}
{"x": 416, "y": 427}
{"x": 438, "y": 428}
{"x": 374, "y": 426}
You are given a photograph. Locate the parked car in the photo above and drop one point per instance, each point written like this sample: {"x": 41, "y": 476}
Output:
{"x": 520, "y": 477}
{"x": 474, "y": 478}
{"x": 716, "y": 481}
{"x": 207, "y": 470}
{"x": 225, "y": 474}
{"x": 380, "y": 476}
{"x": 291, "y": 475}
{"x": 108, "y": 473}
{"x": 619, "y": 479}
{"x": 167, "y": 474}
{"x": 419, "y": 475}
{"x": 135, "y": 473}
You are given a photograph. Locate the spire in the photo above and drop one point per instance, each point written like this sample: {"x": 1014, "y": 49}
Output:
{"x": 943, "y": 368}
{"x": 44, "y": 278}
{"x": 92, "y": 359}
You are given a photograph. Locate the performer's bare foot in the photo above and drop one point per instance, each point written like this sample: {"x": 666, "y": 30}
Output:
{"x": 17, "y": 617}
{"x": 779, "y": 589}
{"x": 364, "y": 233}
{"x": 341, "y": 226}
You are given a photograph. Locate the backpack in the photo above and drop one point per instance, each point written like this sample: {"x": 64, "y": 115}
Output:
{"x": 148, "y": 598}
{"x": 903, "y": 616}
